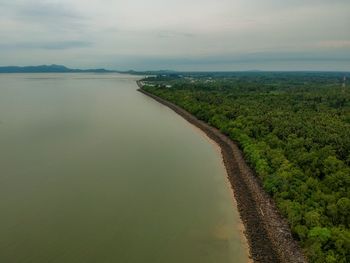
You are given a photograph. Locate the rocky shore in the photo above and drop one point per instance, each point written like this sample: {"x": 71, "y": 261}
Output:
{"x": 268, "y": 233}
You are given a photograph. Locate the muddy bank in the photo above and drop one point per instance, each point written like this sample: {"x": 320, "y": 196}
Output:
{"x": 268, "y": 234}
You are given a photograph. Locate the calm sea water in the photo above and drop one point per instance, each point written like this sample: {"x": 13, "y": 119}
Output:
{"x": 94, "y": 171}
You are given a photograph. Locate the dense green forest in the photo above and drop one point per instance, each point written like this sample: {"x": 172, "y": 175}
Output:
{"x": 294, "y": 129}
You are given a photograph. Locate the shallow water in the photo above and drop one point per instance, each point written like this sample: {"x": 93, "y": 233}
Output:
{"x": 94, "y": 171}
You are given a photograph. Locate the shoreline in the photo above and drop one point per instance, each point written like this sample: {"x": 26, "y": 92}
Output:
{"x": 267, "y": 232}
{"x": 240, "y": 226}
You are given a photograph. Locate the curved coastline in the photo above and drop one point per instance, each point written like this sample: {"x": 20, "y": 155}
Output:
{"x": 268, "y": 233}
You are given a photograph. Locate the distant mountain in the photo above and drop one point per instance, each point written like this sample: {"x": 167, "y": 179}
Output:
{"x": 49, "y": 69}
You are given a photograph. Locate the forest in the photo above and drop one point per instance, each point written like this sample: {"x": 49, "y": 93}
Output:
{"x": 294, "y": 130}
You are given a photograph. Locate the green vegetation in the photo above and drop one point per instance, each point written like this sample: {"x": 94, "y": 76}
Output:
{"x": 294, "y": 129}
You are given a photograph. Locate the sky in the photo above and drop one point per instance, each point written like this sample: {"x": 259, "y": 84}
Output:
{"x": 198, "y": 35}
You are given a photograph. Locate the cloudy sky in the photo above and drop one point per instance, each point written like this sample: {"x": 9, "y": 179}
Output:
{"x": 177, "y": 34}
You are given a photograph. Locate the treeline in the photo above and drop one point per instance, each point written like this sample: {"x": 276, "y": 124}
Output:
{"x": 294, "y": 130}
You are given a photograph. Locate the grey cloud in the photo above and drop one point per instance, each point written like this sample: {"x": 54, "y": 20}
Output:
{"x": 60, "y": 45}
{"x": 67, "y": 45}
{"x": 172, "y": 34}
{"x": 248, "y": 61}
{"x": 54, "y": 16}
{"x": 40, "y": 10}
{"x": 284, "y": 56}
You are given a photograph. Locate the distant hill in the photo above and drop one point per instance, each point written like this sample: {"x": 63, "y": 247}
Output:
{"x": 151, "y": 72}
{"x": 49, "y": 69}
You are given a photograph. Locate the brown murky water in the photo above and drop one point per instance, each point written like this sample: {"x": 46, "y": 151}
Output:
{"x": 94, "y": 171}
